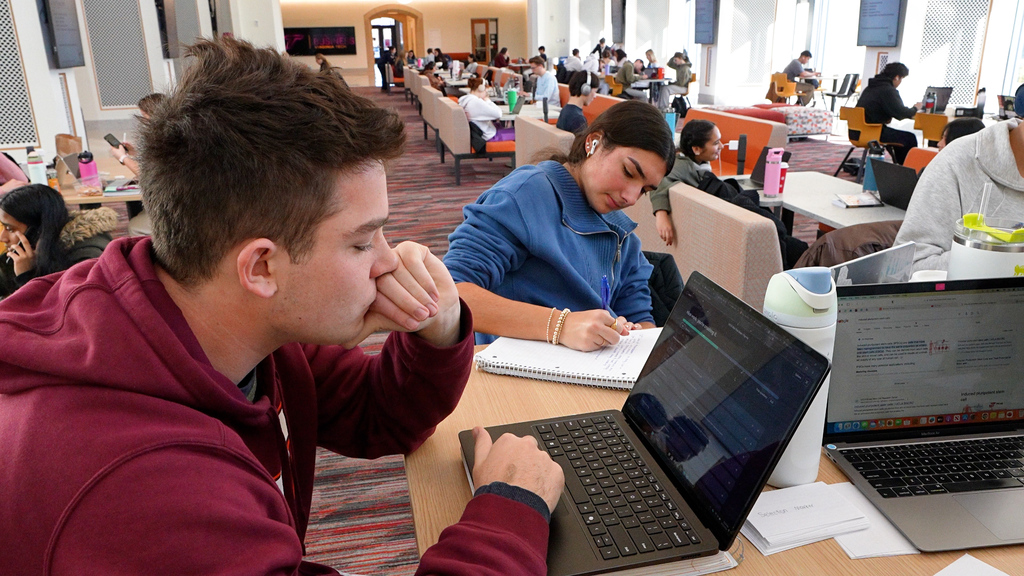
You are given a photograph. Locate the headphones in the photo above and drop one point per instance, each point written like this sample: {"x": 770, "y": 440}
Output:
{"x": 592, "y": 147}
{"x": 586, "y": 89}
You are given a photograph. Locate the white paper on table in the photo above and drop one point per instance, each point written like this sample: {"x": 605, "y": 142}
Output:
{"x": 800, "y": 511}
{"x": 968, "y": 565}
{"x": 881, "y": 538}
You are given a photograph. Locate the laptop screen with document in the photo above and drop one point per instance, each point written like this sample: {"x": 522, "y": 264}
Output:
{"x": 720, "y": 395}
{"x": 927, "y": 359}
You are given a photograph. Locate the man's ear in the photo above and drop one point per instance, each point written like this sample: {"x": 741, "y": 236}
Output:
{"x": 259, "y": 266}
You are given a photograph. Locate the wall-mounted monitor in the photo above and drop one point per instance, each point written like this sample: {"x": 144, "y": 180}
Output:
{"x": 705, "y": 23}
{"x": 880, "y": 23}
{"x": 309, "y": 41}
{"x": 59, "y": 20}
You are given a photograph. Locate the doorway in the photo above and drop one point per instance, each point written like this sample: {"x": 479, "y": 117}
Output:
{"x": 383, "y": 32}
{"x": 484, "y": 39}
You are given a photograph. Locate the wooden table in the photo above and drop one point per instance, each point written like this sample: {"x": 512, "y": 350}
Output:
{"x": 439, "y": 488}
{"x": 70, "y": 197}
{"x": 812, "y": 193}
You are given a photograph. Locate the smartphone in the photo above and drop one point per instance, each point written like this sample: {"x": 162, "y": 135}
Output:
{"x": 112, "y": 140}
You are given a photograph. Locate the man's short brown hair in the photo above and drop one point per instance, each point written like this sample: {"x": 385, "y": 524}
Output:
{"x": 250, "y": 145}
{"x": 537, "y": 60}
{"x": 149, "y": 102}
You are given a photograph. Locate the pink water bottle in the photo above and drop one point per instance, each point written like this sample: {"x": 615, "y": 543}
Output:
{"x": 88, "y": 173}
{"x": 773, "y": 172}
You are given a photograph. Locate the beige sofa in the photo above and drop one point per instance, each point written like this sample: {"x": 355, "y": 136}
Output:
{"x": 534, "y": 136}
{"x": 734, "y": 247}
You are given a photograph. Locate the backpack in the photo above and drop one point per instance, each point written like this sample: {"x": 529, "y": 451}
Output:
{"x": 562, "y": 75}
{"x": 680, "y": 107}
{"x": 476, "y": 140}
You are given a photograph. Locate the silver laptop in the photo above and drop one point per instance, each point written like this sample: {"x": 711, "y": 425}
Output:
{"x": 926, "y": 407}
{"x": 675, "y": 473}
{"x": 894, "y": 264}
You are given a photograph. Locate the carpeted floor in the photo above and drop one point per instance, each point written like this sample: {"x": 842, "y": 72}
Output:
{"x": 361, "y": 518}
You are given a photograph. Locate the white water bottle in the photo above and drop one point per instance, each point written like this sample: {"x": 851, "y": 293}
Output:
{"x": 36, "y": 167}
{"x": 803, "y": 302}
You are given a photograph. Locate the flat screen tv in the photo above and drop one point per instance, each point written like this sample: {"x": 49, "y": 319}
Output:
{"x": 880, "y": 22}
{"x": 705, "y": 22}
{"x": 59, "y": 21}
{"x": 309, "y": 41}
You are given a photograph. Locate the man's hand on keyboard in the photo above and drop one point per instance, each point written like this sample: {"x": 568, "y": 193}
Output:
{"x": 519, "y": 462}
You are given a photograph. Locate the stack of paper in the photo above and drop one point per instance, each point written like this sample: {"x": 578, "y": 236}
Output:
{"x": 881, "y": 539}
{"x": 791, "y": 517}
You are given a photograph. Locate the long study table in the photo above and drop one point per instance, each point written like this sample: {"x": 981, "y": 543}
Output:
{"x": 439, "y": 488}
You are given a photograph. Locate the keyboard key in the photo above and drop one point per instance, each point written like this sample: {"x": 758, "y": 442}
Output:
{"x": 605, "y": 509}
{"x": 654, "y": 528}
{"x": 585, "y": 508}
{"x": 918, "y": 491}
{"x": 661, "y": 541}
{"x": 597, "y": 529}
{"x": 592, "y": 518}
{"x": 543, "y": 428}
{"x": 609, "y": 553}
{"x": 641, "y": 540}
{"x": 678, "y": 538}
{"x": 622, "y": 540}
{"x": 887, "y": 483}
{"x": 935, "y": 488}
{"x": 902, "y": 491}
{"x": 886, "y": 493}
{"x": 995, "y": 484}
{"x": 630, "y": 522}
{"x": 694, "y": 539}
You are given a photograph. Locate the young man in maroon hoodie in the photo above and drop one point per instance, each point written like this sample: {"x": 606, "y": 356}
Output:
{"x": 158, "y": 413}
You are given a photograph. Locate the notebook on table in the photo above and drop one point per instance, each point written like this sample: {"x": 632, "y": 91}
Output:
{"x": 672, "y": 476}
{"x": 615, "y": 366}
{"x": 926, "y": 407}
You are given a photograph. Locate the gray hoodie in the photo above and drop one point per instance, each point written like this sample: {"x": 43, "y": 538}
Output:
{"x": 952, "y": 185}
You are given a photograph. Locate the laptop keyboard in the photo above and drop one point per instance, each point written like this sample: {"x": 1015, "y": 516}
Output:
{"x": 622, "y": 503}
{"x": 941, "y": 467}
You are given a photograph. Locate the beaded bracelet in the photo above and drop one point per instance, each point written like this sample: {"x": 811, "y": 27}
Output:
{"x": 558, "y": 327}
{"x": 547, "y": 327}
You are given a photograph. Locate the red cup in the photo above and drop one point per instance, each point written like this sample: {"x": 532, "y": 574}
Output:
{"x": 782, "y": 176}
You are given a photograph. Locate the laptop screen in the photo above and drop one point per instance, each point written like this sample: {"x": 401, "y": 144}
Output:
{"x": 720, "y": 396}
{"x": 942, "y": 94}
{"x": 924, "y": 359}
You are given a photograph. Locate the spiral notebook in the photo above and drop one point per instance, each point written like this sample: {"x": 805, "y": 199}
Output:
{"x": 615, "y": 366}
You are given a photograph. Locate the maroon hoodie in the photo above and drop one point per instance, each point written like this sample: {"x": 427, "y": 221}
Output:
{"x": 124, "y": 451}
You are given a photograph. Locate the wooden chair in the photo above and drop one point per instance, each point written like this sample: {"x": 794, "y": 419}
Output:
{"x": 930, "y": 125}
{"x": 616, "y": 88}
{"x": 867, "y": 133}
{"x": 781, "y": 88}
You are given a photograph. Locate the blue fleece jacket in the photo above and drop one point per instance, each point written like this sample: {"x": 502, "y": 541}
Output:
{"x": 534, "y": 238}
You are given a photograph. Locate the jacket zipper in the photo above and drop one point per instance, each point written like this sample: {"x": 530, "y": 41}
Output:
{"x": 618, "y": 247}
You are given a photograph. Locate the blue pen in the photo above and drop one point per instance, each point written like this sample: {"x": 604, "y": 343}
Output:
{"x": 606, "y": 295}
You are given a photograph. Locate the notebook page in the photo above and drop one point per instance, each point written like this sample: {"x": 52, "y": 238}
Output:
{"x": 617, "y": 365}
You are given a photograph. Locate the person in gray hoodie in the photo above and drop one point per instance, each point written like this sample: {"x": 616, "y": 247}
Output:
{"x": 952, "y": 185}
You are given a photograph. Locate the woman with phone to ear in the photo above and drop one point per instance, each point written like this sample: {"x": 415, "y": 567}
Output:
{"x": 43, "y": 238}
{"x": 547, "y": 254}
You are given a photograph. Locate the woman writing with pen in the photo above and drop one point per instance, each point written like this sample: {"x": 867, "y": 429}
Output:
{"x": 547, "y": 254}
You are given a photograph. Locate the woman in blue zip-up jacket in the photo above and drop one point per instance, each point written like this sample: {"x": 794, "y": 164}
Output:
{"x": 532, "y": 254}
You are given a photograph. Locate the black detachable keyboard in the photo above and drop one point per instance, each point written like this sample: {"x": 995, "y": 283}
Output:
{"x": 941, "y": 467}
{"x": 620, "y": 500}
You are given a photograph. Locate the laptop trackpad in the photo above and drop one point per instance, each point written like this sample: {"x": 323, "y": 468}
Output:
{"x": 998, "y": 511}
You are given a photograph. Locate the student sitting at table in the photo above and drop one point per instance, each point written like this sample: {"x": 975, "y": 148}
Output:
{"x": 436, "y": 82}
{"x": 483, "y": 113}
{"x": 533, "y": 252}
{"x": 546, "y": 86}
{"x": 952, "y": 184}
{"x": 501, "y": 59}
{"x": 582, "y": 91}
{"x": 43, "y": 238}
{"x": 958, "y": 129}
{"x": 881, "y": 103}
{"x": 700, "y": 143}
{"x": 679, "y": 62}
{"x": 471, "y": 66}
{"x": 410, "y": 59}
{"x": 629, "y": 73}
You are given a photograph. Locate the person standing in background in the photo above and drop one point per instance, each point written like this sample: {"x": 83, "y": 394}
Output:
{"x": 387, "y": 58}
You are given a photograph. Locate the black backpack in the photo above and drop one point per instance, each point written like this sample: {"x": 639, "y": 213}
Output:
{"x": 680, "y": 106}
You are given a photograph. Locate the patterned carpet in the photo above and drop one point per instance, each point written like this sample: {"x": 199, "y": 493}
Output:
{"x": 361, "y": 518}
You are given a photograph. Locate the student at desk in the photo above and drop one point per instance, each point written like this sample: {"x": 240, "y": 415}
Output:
{"x": 531, "y": 254}
{"x": 161, "y": 406}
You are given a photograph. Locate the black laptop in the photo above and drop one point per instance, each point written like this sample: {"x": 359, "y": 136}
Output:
{"x": 942, "y": 95}
{"x": 675, "y": 473}
{"x": 895, "y": 183}
{"x": 926, "y": 407}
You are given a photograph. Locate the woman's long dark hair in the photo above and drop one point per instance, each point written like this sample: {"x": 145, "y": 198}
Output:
{"x": 42, "y": 209}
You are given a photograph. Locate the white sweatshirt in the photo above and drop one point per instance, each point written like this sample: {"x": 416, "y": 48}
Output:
{"x": 951, "y": 186}
{"x": 481, "y": 112}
